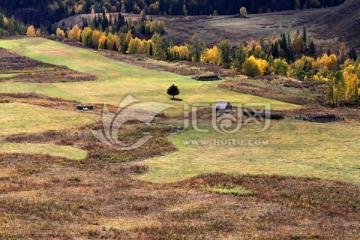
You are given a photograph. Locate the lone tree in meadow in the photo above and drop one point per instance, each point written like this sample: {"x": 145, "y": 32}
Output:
{"x": 173, "y": 91}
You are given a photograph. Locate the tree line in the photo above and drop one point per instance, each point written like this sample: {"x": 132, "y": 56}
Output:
{"x": 48, "y": 12}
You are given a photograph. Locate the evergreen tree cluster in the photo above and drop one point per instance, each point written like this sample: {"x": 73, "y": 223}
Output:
{"x": 107, "y": 23}
{"x": 48, "y": 12}
{"x": 11, "y": 26}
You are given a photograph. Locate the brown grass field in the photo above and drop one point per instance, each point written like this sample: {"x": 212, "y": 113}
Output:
{"x": 46, "y": 197}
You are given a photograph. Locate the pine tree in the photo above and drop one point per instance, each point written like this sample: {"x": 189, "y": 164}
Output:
{"x": 161, "y": 45}
{"x": 87, "y": 6}
{"x": 328, "y": 52}
{"x": 304, "y": 36}
{"x": 240, "y": 57}
{"x": 225, "y": 55}
{"x": 312, "y": 49}
{"x": 196, "y": 48}
{"x": 105, "y": 22}
{"x": 275, "y": 50}
{"x": 283, "y": 43}
{"x": 355, "y": 56}
{"x": 352, "y": 54}
{"x": 123, "y": 8}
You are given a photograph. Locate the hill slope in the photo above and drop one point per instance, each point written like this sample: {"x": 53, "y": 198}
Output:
{"x": 342, "y": 21}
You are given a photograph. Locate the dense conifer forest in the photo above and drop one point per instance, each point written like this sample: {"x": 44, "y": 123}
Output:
{"x": 50, "y": 11}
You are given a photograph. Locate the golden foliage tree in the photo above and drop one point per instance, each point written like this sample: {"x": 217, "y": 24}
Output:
{"x": 211, "y": 55}
{"x": 147, "y": 46}
{"x": 351, "y": 84}
{"x": 280, "y": 66}
{"x": 38, "y": 32}
{"x": 95, "y": 37}
{"x": 102, "y": 42}
{"x": 180, "y": 52}
{"x": 298, "y": 46}
{"x": 86, "y": 36}
{"x": 326, "y": 63}
{"x": 128, "y": 37}
{"x": 243, "y": 11}
{"x": 31, "y": 32}
{"x": 75, "y": 33}
{"x": 111, "y": 42}
{"x": 303, "y": 68}
{"x": 255, "y": 67}
{"x": 135, "y": 46}
{"x": 5, "y": 21}
{"x": 60, "y": 33}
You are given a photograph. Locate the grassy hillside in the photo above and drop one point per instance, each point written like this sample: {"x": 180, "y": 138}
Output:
{"x": 117, "y": 79}
{"x": 342, "y": 21}
{"x": 294, "y": 148}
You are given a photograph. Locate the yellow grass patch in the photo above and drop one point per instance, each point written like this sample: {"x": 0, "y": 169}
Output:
{"x": 127, "y": 223}
{"x": 43, "y": 149}
{"x": 53, "y": 51}
{"x": 25, "y": 118}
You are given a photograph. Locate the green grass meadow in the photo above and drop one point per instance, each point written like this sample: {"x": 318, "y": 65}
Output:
{"x": 329, "y": 151}
{"x": 116, "y": 79}
{"x": 288, "y": 147}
